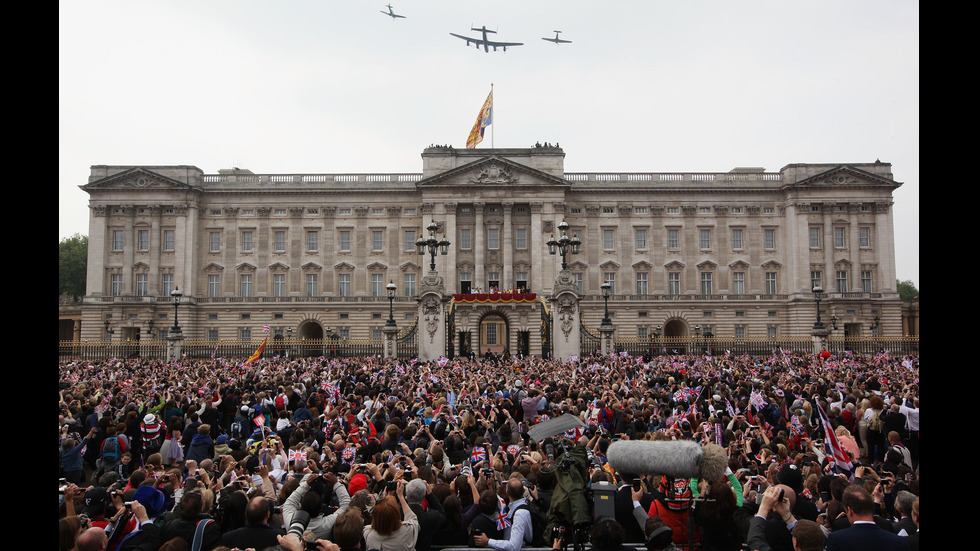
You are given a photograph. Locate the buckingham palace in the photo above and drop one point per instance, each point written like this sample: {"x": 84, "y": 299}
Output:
{"x": 345, "y": 257}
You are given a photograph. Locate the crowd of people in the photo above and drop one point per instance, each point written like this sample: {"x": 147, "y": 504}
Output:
{"x": 362, "y": 454}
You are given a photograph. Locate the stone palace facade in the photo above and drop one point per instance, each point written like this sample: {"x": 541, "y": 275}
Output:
{"x": 311, "y": 255}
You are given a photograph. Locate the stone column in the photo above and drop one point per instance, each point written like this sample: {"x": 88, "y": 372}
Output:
{"x": 175, "y": 341}
{"x": 129, "y": 246}
{"x": 538, "y": 249}
{"x": 156, "y": 242}
{"x": 479, "y": 247}
{"x": 95, "y": 275}
{"x": 507, "y": 244}
{"x": 565, "y": 318}
{"x": 606, "y": 333}
{"x": 819, "y": 340}
{"x": 450, "y": 230}
{"x": 390, "y": 338}
{"x": 432, "y": 319}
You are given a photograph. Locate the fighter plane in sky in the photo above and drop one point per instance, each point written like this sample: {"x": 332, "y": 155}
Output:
{"x": 391, "y": 13}
{"x": 486, "y": 43}
{"x": 557, "y": 40}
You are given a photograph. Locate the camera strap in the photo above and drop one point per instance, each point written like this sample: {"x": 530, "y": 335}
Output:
{"x": 199, "y": 533}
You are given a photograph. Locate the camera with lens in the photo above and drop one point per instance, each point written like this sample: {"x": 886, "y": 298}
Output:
{"x": 297, "y": 525}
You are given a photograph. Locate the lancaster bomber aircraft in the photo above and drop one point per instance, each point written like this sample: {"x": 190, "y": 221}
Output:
{"x": 486, "y": 43}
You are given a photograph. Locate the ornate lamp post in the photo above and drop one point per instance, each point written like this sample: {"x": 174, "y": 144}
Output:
{"x": 175, "y": 338}
{"x": 391, "y": 298}
{"x": 817, "y": 292}
{"x": 391, "y": 329}
{"x": 606, "y": 288}
{"x": 564, "y": 244}
{"x": 176, "y": 294}
{"x": 820, "y": 333}
{"x": 431, "y": 245}
{"x": 606, "y": 328}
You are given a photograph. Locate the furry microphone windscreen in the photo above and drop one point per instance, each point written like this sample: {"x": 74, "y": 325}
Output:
{"x": 676, "y": 458}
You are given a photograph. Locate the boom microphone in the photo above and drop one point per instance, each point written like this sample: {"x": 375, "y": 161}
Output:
{"x": 675, "y": 458}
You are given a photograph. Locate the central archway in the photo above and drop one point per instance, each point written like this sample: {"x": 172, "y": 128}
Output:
{"x": 311, "y": 331}
{"x": 676, "y": 328}
{"x": 494, "y": 334}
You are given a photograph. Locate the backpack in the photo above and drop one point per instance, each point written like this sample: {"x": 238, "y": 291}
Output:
{"x": 110, "y": 449}
{"x": 281, "y": 402}
{"x": 236, "y": 430}
{"x": 875, "y": 423}
{"x": 538, "y": 522}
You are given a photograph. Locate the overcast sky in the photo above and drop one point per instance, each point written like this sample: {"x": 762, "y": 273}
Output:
{"x": 335, "y": 86}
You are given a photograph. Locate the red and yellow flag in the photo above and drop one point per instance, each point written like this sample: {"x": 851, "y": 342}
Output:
{"x": 483, "y": 120}
{"x": 258, "y": 352}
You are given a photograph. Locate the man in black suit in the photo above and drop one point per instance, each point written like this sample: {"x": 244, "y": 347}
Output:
{"x": 905, "y": 526}
{"x": 863, "y": 534}
{"x": 431, "y": 520}
{"x": 625, "y": 501}
{"x": 258, "y": 531}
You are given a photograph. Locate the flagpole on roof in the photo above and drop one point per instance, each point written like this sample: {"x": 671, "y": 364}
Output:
{"x": 491, "y": 111}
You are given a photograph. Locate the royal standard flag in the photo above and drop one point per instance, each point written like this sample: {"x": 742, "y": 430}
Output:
{"x": 483, "y": 120}
{"x": 258, "y": 352}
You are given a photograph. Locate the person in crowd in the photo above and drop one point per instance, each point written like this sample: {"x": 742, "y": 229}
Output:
{"x": 192, "y": 513}
{"x": 430, "y": 520}
{"x": 863, "y": 533}
{"x": 394, "y": 526}
{"x": 259, "y": 531}
{"x": 517, "y": 531}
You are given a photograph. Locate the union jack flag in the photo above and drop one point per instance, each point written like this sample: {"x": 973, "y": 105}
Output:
{"x": 297, "y": 455}
{"x": 502, "y": 521}
{"x": 573, "y": 433}
{"x": 442, "y": 361}
{"x": 478, "y": 454}
{"x": 513, "y": 449}
{"x": 266, "y": 329}
{"x": 840, "y": 461}
{"x": 348, "y": 454}
{"x": 795, "y": 426}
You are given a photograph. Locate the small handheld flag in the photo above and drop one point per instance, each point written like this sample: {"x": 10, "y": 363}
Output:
{"x": 478, "y": 454}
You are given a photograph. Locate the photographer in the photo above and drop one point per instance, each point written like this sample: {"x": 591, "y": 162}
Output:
{"x": 431, "y": 520}
{"x": 258, "y": 531}
{"x": 388, "y": 530}
{"x": 517, "y": 531}
{"x": 310, "y": 497}
{"x": 191, "y": 514}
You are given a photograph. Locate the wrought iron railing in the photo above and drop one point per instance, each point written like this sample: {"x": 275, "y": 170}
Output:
{"x": 407, "y": 346}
